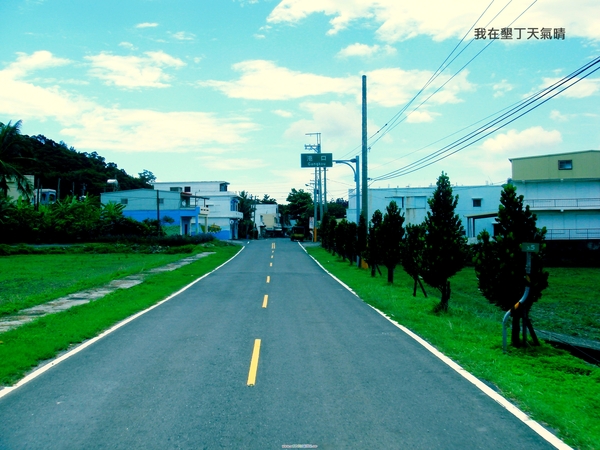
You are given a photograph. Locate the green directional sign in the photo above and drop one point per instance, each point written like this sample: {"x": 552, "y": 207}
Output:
{"x": 316, "y": 159}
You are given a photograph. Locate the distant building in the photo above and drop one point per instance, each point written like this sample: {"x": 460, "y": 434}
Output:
{"x": 477, "y": 205}
{"x": 267, "y": 220}
{"x": 153, "y": 204}
{"x": 563, "y": 190}
{"x": 223, "y": 212}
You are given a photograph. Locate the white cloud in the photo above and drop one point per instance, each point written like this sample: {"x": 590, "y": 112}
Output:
{"x": 134, "y": 71}
{"x": 394, "y": 87}
{"x": 91, "y": 126}
{"x": 128, "y": 45}
{"x": 557, "y": 116}
{"x": 183, "y": 36}
{"x": 440, "y": 19}
{"x": 420, "y": 117}
{"x": 366, "y": 51}
{"x": 282, "y": 113}
{"x": 36, "y": 61}
{"x": 339, "y": 123}
{"x": 533, "y": 140}
{"x": 147, "y": 25}
{"x": 501, "y": 88}
{"x": 584, "y": 88}
{"x": 263, "y": 80}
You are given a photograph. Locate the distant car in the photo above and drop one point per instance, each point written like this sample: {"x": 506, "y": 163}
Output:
{"x": 297, "y": 234}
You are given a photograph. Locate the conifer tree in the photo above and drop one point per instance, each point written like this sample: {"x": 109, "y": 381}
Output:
{"x": 445, "y": 251}
{"x": 500, "y": 262}
{"x": 412, "y": 254}
{"x": 391, "y": 234}
{"x": 373, "y": 251}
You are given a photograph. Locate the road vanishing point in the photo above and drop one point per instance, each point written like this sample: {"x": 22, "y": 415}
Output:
{"x": 267, "y": 352}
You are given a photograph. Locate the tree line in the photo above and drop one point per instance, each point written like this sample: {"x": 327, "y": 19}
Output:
{"x": 57, "y": 166}
{"x": 435, "y": 250}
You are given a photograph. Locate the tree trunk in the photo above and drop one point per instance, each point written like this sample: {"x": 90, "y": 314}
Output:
{"x": 443, "y": 306}
{"x": 390, "y": 270}
{"x": 415, "y": 288}
{"x": 422, "y": 287}
{"x": 373, "y": 266}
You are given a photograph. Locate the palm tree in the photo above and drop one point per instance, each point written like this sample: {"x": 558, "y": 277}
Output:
{"x": 10, "y": 152}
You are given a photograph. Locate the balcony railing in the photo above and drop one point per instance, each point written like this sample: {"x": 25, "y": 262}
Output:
{"x": 557, "y": 234}
{"x": 563, "y": 203}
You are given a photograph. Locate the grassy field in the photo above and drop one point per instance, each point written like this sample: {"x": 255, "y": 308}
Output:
{"x": 551, "y": 385}
{"x": 25, "y": 347}
{"x": 29, "y": 280}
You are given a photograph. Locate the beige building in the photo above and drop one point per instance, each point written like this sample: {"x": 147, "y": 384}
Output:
{"x": 563, "y": 190}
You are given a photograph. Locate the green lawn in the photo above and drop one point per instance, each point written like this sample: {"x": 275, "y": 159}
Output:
{"x": 23, "y": 348}
{"x": 554, "y": 387}
{"x": 29, "y": 280}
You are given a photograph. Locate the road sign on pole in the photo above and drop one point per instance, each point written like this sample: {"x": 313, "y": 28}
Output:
{"x": 316, "y": 160}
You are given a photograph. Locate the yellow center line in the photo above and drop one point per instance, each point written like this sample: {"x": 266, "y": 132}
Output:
{"x": 268, "y": 279}
{"x": 265, "y": 300}
{"x": 270, "y": 264}
{"x": 271, "y": 256}
{"x": 273, "y": 245}
{"x": 254, "y": 363}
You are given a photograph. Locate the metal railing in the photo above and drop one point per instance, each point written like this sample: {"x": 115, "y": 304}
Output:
{"x": 558, "y": 234}
{"x": 561, "y": 203}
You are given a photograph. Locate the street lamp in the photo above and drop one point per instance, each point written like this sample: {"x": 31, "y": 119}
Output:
{"x": 356, "y": 179}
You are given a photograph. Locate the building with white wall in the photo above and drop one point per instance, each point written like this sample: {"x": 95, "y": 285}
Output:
{"x": 267, "y": 219}
{"x": 563, "y": 190}
{"x": 474, "y": 202}
{"x": 221, "y": 203}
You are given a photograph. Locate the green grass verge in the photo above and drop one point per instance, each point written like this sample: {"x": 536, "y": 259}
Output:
{"x": 25, "y": 347}
{"x": 551, "y": 385}
{"x": 29, "y": 280}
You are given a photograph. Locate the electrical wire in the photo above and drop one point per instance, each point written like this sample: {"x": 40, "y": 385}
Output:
{"x": 468, "y": 139}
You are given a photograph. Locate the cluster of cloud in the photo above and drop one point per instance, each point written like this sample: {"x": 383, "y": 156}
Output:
{"x": 440, "y": 19}
{"x": 264, "y": 80}
{"x": 94, "y": 126}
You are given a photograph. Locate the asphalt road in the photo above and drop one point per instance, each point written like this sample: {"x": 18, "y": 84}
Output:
{"x": 331, "y": 372}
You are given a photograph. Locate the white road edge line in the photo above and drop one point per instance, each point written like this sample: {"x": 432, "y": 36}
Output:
{"x": 36, "y": 373}
{"x": 514, "y": 410}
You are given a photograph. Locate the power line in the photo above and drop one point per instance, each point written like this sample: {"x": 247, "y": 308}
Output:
{"x": 469, "y": 139}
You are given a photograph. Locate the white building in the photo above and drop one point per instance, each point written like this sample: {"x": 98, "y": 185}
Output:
{"x": 563, "y": 190}
{"x": 474, "y": 202}
{"x": 267, "y": 219}
{"x": 222, "y": 205}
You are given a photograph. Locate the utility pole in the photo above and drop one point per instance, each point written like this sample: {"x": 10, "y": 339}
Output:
{"x": 365, "y": 186}
{"x": 317, "y": 191}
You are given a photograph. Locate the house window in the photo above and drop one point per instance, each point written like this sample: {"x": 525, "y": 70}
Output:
{"x": 161, "y": 201}
{"x": 124, "y": 201}
{"x": 565, "y": 164}
{"x": 175, "y": 189}
{"x": 223, "y": 187}
{"x": 187, "y": 189}
{"x": 476, "y": 203}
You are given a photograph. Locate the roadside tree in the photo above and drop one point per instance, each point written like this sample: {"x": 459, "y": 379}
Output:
{"x": 500, "y": 262}
{"x": 391, "y": 234}
{"x": 374, "y": 248}
{"x": 445, "y": 251}
{"x": 412, "y": 254}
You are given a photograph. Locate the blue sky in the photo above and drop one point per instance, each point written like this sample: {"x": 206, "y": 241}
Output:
{"x": 227, "y": 90}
